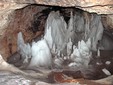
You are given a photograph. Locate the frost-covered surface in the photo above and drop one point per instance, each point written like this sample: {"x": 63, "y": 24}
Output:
{"x": 7, "y": 78}
{"x": 23, "y": 48}
{"x": 41, "y": 55}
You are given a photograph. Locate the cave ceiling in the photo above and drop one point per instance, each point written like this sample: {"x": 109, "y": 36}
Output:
{"x": 97, "y": 6}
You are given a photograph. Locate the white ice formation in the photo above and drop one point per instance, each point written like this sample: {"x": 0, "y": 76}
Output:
{"x": 58, "y": 27}
{"x": 23, "y": 48}
{"x": 81, "y": 55}
{"x": 74, "y": 40}
{"x": 41, "y": 55}
{"x": 39, "y": 52}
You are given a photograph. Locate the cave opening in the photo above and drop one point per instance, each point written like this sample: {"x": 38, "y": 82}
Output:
{"x": 80, "y": 43}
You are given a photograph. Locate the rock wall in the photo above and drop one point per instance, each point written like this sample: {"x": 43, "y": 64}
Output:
{"x": 100, "y": 7}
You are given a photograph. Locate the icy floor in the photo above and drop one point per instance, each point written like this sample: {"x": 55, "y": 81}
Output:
{"x": 7, "y": 78}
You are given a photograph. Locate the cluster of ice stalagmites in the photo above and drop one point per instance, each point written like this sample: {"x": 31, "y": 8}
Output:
{"x": 74, "y": 40}
{"x": 81, "y": 55}
{"x": 38, "y": 52}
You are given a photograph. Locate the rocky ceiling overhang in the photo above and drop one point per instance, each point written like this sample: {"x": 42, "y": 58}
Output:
{"x": 97, "y": 6}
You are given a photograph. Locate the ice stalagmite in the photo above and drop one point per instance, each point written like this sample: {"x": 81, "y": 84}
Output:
{"x": 79, "y": 22}
{"x": 41, "y": 55}
{"x": 48, "y": 37}
{"x": 71, "y": 35}
{"x": 86, "y": 27}
{"x": 48, "y": 28}
{"x": 24, "y": 49}
{"x": 59, "y": 28}
{"x": 55, "y": 32}
{"x": 81, "y": 55}
{"x": 96, "y": 31}
{"x": 69, "y": 47}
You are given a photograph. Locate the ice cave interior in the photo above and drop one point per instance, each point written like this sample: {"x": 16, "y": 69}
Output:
{"x": 53, "y": 39}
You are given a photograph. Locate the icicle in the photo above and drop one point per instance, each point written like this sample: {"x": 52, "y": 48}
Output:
{"x": 59, "y": 33}
{"x": 48, "y": 28}
{"x": 70, "y": 24}
{"x": 24, "y": 49}
{"x": 98, "y": 52}
{"x": 96, "y": 29}
{"x": 88, "y": 43}
{"x": 55, "y": 32}
{"x": 48, "y": 37}
{"x": 71, "y": 31}
{"x": 79, "y": 23}
{"x": 69, "y": 47}
{"x": 87, "y": 23}
{"x": 41, "y": 55}
{"x": 54, "y": 49}
{"x": 20, "y": 41}
{"x": 50, "y": 18}
{"x": 74, "y": 53}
